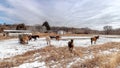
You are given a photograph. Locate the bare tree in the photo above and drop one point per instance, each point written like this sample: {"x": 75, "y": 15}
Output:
{"x": 107, "y": 29}
{"x": 21, "y": 27}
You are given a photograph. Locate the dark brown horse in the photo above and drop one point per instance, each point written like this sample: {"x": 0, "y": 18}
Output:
{"x": 70, "y": 45}
{"x": 58, "y": 38}
{"x": 55, "y": 37}
{"x": 33, "y": 37}
{"x": 94, "y": 39}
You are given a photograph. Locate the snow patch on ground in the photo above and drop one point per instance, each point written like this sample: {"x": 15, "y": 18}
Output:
{"x": 108, "y": 52}
{"x": 71, "y": 63}
{"x": 11, "y": 47}
{"x": 35, "y": 64}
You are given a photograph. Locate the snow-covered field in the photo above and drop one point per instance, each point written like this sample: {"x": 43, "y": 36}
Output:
{"x": 11, "y": 47}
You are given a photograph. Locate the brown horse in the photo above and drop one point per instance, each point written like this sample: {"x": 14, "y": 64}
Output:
{"x": 94, "y": 39}
{"x": 23, "y": 39}
{"x": 58, "y": 38}
{"x": 55, "y": 37}
{"x": 70, "y": 45}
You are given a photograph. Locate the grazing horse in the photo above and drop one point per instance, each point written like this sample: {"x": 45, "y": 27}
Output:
{"x": 94, "y": 39}
{"x": 55, "y": 37}
{"x": 48, "y": 40}
{"x": 33, "y": 36}
{"x": 70, "y": 45}
{"x": 23, "y": 39}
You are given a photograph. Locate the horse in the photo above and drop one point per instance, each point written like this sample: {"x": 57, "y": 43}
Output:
{"x": 48, "y": 40}
{"x": 94, "y": 39}
{"x": 58, "y": 38}
{"x": 33, "y": 37}
{"x": 55, "y": 37}
{"x": 70, "y": 45}
{"x": 23, "y": 39}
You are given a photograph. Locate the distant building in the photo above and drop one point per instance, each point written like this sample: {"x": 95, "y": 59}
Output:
{"x": 61, "y": 32}
{"x": 15, "y": 32}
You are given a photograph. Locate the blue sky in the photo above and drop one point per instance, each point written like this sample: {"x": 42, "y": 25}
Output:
{"x": 72, "y": 13}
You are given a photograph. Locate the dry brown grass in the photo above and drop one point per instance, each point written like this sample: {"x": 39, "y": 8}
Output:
{"x": 61, "y": 53}
{"x": 3, "y": 37}
{"x": 101, "y": 61}
{"x": 106, "y": 46}
{"x": 54, "y": 54}
{"x": 46, "y": 34}
{"x": 113, "y": 62}
{"x": 53, "y": 34}
{"x": 17, "y": 60}
{"x": 61, "y": 57}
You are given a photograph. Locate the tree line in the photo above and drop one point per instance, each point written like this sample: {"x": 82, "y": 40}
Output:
{"x": 45, "y": 27}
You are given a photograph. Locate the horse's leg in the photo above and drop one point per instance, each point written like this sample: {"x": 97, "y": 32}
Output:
{"x": 95, "y": 42}
{"x": 91, "y": 41}
{"x": 23, "y": 41}
{"x": 34, "y": 38}
{"x": 49, "y": 42}
{"x": 70, "y": 49}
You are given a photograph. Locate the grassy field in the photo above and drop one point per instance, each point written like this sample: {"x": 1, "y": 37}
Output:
{"x": 81, "y": 57}
{"x": 95, "y": 56}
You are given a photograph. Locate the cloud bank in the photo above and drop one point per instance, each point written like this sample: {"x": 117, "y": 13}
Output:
{"x": 72, "y": 13}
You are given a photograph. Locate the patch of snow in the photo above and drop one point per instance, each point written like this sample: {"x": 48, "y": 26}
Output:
{"x": 71, "y": 63}
{"x": 111, "y": 36}
{"x": 114, "y": 50}
{"x": 75, "y": 37}
{"x": 35, "y": 64}
{"x": 89, "y": 56}
{"x": 105, "y": 52}
{"x": 110, "y": 51}
{"x": 11, "y": 47}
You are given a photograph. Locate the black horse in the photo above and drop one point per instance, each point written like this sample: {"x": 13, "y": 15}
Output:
{"x": 33, "y": 37}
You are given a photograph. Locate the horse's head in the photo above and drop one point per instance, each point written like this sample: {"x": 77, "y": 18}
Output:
{"x": 72, "y": 40}
{"x": 97, "y": 37}
{"x": 29, "y": 36}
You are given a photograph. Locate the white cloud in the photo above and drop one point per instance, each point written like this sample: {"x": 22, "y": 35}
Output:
{"x": 72, "y": 13}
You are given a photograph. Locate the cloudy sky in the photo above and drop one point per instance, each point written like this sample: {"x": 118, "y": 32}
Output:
{"x": 72, "y": 13}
